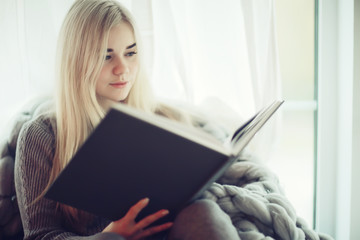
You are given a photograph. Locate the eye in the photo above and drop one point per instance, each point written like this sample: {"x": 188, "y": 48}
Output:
{"x": 108, "y": 57}
{"x": 130, "y": 54}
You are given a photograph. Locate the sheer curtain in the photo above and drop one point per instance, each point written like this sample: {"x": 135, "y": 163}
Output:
{"x": 218, "y": 55}
{"x": 29, "y": 32}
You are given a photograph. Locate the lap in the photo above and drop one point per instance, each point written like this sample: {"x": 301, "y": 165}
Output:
{"x": 203, "y": 219}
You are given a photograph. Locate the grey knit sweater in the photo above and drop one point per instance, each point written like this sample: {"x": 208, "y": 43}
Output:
{"x": 41, "y": 220}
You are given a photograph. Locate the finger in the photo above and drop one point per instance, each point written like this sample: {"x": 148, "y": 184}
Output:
{"x": 150, "y": 219}
{"x": 153, "y": 230}
{"x": 135, "y": 210}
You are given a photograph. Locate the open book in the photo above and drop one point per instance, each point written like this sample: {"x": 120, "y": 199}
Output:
{"x": 131, "y": 155}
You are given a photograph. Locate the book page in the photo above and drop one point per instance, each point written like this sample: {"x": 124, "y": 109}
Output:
{"x": 245, "y": 133}
{"x": 186, "y": 131}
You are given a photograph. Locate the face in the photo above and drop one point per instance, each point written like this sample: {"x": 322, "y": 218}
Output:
{"x": 120, "y": 65}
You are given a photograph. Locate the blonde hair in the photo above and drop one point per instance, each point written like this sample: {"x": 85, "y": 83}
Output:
{"x": 82, "y": 47}
{"x": 81, "y": 51}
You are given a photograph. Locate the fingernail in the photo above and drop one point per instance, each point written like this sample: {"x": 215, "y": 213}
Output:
{"x": 146, "y": 200}
{"x": 165, "y": 212}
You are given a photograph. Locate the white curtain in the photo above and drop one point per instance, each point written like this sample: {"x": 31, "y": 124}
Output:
{"x": 219, "y": 55}
{"x": 208, "y": 49}
{"x": 29, "y": 32}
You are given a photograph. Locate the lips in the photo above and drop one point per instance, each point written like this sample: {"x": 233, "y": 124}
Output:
{"x": 119, "y": 84}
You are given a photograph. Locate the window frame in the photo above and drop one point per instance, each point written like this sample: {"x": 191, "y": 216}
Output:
{"x": 337, "y": 118}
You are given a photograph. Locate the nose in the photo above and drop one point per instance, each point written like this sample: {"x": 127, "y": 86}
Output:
{"x": 120, "y": 67}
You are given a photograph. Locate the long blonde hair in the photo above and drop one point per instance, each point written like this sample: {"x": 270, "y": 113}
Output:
{"x": 81, "y": 51}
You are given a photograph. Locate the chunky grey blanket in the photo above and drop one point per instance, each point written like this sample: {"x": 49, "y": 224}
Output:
{"x": 251, "y": 195}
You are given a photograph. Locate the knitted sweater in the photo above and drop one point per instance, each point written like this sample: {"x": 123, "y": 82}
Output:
{"x": 33, "y": 164}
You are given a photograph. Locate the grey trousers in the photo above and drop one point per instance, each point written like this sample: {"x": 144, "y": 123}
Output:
{"x": 201, "y": 220}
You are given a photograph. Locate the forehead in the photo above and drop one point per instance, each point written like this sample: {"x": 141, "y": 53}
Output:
{"x": 121, "y": 36}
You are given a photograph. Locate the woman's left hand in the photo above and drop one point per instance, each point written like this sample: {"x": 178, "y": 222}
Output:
{"x": 131, "y": 230}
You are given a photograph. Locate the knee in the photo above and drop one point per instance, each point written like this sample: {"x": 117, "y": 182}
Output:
{"x": 203, "y": 219}
{"x": 203, "y": 205}
{"x": 204, "y": 210}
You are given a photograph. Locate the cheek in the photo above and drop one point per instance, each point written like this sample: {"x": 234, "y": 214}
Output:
{"x": 103, "y": 75}
{"x": 134, "y": 69}
{"x": 101, "y": 81}
{"x": 98, "y": 87}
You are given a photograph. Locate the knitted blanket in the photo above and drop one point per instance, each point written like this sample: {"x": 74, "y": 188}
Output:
{"x": 251, "y": 195}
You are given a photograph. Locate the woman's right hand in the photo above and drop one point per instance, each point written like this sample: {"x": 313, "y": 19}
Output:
{"x": 131, "y": 230}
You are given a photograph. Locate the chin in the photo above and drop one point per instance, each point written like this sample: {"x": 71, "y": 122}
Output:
{"x": 122, "y": 99}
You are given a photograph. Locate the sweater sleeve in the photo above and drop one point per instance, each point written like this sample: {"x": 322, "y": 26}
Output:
{"x": 34, "y": 155}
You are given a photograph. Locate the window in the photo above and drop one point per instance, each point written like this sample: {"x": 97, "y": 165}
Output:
{"x": 294, "y": 158}
{"x": 337, "y": 208}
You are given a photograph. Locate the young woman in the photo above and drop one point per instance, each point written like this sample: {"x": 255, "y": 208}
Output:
{"x": 99, "y": 63}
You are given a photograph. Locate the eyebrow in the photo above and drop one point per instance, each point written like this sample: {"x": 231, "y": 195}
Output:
{"x": 131, "y": 46}
{"x": 128, "y": 47}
